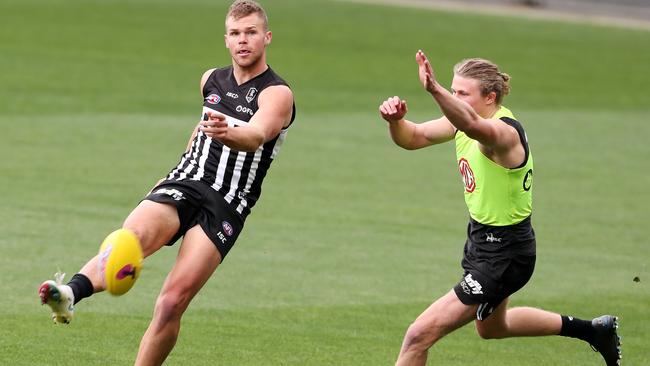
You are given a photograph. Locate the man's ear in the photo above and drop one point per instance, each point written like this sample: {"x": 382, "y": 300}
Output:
{"x": 267, "y": 38}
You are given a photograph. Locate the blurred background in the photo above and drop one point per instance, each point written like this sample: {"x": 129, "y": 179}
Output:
{"x": 626, "y": 13}
{"x": 353, "y": 237}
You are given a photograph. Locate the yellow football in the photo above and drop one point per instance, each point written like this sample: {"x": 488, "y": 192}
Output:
{"x": 120, "y": 261}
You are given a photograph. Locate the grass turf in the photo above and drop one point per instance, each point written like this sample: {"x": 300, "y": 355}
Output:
{"x": 353, "y": 237}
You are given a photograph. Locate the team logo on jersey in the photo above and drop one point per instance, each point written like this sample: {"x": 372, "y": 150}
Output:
{"x": 528, "y": 180}
{"x": 227, "y": 228}
{"x": 467, "y": 174}
{"x": 213, "y": 99}
{"x": 252, "y": 92}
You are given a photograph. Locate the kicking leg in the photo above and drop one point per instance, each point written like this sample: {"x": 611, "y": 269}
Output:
{"x": 197, "y": 260}
{"x": 445, "y": 315}
{"x": 153, "y": 223}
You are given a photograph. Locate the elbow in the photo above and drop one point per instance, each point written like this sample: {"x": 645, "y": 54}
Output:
{"x": 406, "y": 145}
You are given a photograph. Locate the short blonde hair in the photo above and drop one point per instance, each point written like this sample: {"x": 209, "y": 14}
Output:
{"x": 488, "y": 75}
{"x": 244, "y": 8}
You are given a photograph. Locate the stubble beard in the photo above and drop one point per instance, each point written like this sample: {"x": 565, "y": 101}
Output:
{"x": 247, "y": 63}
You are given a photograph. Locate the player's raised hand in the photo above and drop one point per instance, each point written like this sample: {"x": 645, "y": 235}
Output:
{"x": 393, "y": 109}
{"x": 216, "y": 126}
{"x": 425, "y": 71}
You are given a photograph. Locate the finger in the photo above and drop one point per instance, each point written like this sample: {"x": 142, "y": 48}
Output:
{"x": 215, "y": 116}
{"x": 420, "y": 57}
{"x": 392, "y": 107}
{"x": 428, "y": 67}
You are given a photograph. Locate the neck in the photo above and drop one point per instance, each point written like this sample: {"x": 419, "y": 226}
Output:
{"x": 490, "y": 111}
{"x": 243, "y": 74}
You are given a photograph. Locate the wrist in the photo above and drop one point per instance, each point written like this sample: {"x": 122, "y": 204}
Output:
{"x": 435, "y": 88}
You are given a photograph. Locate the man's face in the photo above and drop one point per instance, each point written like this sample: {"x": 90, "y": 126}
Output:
{"x": 246, "y": 39}
{"x": 468, "y": 90}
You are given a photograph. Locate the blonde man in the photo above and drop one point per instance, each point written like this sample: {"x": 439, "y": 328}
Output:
{"x": 247, "y": 109}
{"x": 496, "y": 166}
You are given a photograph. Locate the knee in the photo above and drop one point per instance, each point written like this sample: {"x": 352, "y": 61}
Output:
{"x": 139, "y": 232}
{"x": 170, "y": 306}
{"x": 145, "y": 236}
{"x": 420, "y": 338}
{"x": 490, "y": 332}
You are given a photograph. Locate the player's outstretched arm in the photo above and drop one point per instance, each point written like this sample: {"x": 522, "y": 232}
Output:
{"x": 275, "y": 109}
{"x": 409, "y": 135}
{"x": 495, "y": 134}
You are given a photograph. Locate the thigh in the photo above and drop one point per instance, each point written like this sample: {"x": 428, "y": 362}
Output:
{"x": 154, "y": 223}
{"x": 445, "y": 315}
{"x": 219, "y": 221}
{"x": 197, "y": 259}
{"x": 495, "y": 321}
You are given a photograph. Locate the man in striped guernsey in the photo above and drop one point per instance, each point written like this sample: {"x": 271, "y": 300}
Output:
{"x": 496, "y": 167}
{"x": 206, "y": 197}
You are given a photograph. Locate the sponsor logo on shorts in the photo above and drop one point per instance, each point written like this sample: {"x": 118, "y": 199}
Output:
{"x": 213, "y": 99}
{"x": 466, "y": 289}
{"x": 227, "y": 228}
{"x": 491, "y": 238}
{"x": 252, "y": 92}
{"x": 468, "y": 175}
{"x": 173, "y": 193}
{"x": 221, "y": 237}
{"x": 470, "y": 284}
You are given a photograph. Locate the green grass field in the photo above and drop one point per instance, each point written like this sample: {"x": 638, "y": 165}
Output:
{"x": 353, "y": 237}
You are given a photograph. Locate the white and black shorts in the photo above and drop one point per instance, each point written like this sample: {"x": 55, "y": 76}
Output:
{"x": 199, "y": 204}
{"x": 498, "y": 261}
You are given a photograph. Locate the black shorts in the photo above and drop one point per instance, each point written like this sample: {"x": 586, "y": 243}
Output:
{"x": 199, "y": 204}
{"x": 498, "y": 261}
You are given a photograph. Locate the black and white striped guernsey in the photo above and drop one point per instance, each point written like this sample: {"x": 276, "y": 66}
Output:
{"x": 236, "y": 175}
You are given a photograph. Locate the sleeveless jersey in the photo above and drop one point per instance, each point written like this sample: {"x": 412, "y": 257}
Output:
{"x": 236, "y": 175}
{"x": 495, "y": 195}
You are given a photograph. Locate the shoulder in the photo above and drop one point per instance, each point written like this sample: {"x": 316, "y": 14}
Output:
{"x": 513, "y": 123}
{"x": 276, "y": 94}
{"x": 222, "y": 73}
{"x": 274, "y": 79}
{"x": 206, "y": 76}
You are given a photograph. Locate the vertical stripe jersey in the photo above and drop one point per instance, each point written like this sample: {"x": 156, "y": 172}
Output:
{"x": 236, "y": 175}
